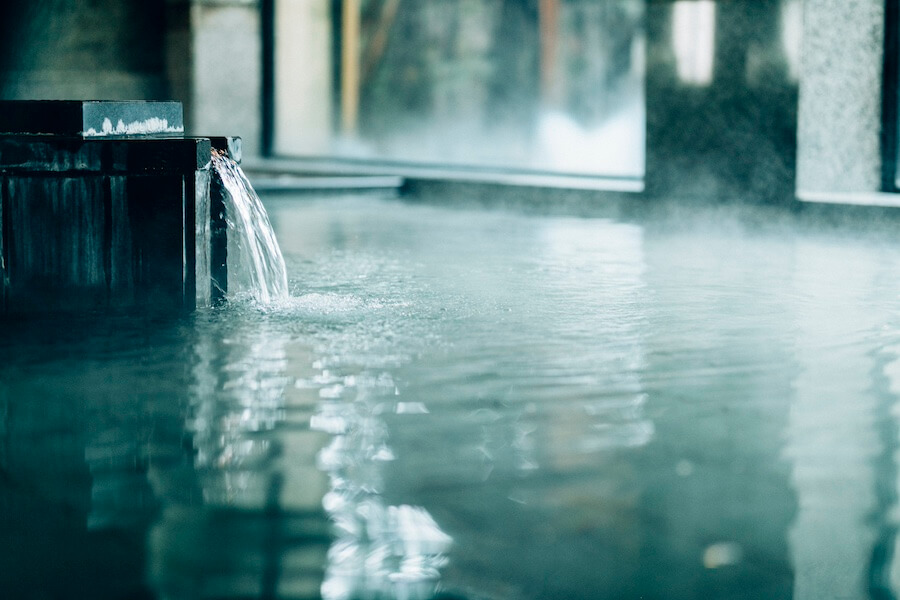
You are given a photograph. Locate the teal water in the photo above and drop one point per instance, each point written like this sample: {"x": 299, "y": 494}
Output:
{"x": 474, "y": 404}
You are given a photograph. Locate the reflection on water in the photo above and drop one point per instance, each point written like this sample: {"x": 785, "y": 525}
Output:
{"x": 885, "y": 576}
{"x": 78, "y": 439}
{"x": 475, "y": 405}
{"x": 379, "y": 551}
{"x": 842, "y": 486}
{"x": 244, "y": 519}
{"x": 235, "y": 403}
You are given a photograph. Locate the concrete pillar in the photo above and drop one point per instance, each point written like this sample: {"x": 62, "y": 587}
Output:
{"x": 839, "y": 122}
{"x": 303, "y": 72}
{"x": 69, "y": 49}
{"x": 214, "y": 61}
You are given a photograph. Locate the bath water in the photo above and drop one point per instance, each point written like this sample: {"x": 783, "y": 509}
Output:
{"x": 474, "y": 404}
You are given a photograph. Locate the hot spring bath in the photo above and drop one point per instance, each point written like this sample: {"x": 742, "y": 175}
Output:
{"x": 473, "y": 404}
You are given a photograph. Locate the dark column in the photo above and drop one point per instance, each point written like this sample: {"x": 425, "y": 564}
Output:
{"x": 514, "y": 88}
{"x": 4, "y": 252}
{"x": 735, "y": 136}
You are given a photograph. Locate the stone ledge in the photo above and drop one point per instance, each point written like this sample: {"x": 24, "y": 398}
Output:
{"x": 32, "y": 154}
{"x": 90, "y": 119}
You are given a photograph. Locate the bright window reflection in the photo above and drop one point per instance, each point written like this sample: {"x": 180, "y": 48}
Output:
{"x": 543, "y": 85}
{"x": 791, "y": 32}
{"x": 693, "y": 37}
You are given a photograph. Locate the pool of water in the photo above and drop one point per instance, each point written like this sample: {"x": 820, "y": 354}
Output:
{"x": 474, "y": 404}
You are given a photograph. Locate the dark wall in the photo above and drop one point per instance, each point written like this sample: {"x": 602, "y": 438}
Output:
{"x": 734, "y": 138}
{"x": 111, "y": 49}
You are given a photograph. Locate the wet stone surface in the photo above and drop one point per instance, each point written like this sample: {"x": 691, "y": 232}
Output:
{"x": 90, "y": 119}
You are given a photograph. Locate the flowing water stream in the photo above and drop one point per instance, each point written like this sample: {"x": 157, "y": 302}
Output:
{"x": 256, "y": 266}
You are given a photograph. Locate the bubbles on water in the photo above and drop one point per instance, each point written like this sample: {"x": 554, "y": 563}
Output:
{"x": 324, "y": 305}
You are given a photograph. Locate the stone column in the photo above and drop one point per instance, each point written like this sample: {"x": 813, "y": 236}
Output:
{"x": 304, "y": 72}
{"x": 214, "y": 62}
{"x": 839, "y": 123}
{"x": 729, "y": 134}
{"x": 70, "y": 49}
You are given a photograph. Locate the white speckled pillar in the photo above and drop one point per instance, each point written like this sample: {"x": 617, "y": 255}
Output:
{"x": 839, "y": 120}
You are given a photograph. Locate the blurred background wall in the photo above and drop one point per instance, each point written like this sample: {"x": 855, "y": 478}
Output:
{"x": 204, "y": 53}
{"x": 727, "y": 98}
{"x": 83, "y": 49}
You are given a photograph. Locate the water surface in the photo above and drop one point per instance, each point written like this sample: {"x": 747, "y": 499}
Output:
{"x": 473, "y": 404}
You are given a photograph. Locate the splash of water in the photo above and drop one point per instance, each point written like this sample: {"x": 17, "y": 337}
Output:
{"x": 259, "y": 265}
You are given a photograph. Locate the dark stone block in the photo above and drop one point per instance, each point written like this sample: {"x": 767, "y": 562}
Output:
{"x": 218, "y": 258}
{"x": 97, "y": 222}
{"x": 56, "y": 242}
{"x": 161, "y": 267}
{"x": 182, "y": 155}
{"x": 25, "y": 154}
{"x": 4, "y": 225}
{"x": 91, "y": 119}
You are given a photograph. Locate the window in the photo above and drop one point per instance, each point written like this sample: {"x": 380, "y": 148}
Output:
{"x": 551, "y": 86}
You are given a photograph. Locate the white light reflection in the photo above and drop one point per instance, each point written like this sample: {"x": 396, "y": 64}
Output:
{"x": 693, "y": 39}
{"x": 229, "y": 416}
{"x": 891, "y": 372}
{"x": 380, "y": 551}
{"x": 613, "y": 146}
{"x": 791, "y": 34}
{"x": 832, "y": 435}
{"x": 243, "y": 518}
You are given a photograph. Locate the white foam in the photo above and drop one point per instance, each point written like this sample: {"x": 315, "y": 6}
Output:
{"x": 151, "y": 125}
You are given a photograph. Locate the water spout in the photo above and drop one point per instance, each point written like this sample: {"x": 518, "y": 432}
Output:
{"x": 256, "y": 265}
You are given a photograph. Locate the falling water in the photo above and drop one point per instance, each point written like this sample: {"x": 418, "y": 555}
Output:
{"x": 251, "y": 240}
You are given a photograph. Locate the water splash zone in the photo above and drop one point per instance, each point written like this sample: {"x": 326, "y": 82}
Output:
{"x": 256, "y": 266}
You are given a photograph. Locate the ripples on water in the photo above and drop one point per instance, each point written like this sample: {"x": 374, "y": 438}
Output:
{"x": 473, "y": 405}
